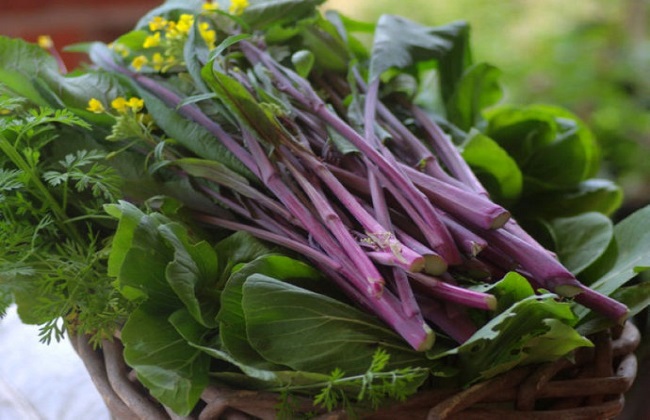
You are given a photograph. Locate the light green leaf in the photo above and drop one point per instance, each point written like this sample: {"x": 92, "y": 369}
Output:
{"x": 494, "y": 166}
{"x": 303, "y": 62}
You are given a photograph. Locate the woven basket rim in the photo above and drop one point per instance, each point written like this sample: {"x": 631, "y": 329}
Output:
{"x": 592, "y": 385}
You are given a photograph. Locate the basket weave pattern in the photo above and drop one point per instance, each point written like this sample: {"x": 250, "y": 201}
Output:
{"x": 591, "y": 386}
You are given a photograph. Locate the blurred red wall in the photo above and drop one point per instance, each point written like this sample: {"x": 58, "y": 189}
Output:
{"x": 71, "y": 21}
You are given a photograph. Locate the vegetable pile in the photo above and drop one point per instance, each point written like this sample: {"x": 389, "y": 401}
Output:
{"x": 252, "y": 197}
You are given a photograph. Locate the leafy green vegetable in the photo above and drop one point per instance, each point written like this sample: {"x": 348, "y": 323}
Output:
{"x": 174, "y": 372}
{"x": 534, "y": 329}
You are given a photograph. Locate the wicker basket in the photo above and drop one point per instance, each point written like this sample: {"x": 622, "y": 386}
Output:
{"x": 592, "y": 386}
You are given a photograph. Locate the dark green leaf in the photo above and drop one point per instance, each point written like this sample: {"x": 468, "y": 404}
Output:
{"x": 534, "y": 330}
{"x": 478, "y": 89}
{"x": 582, "y": 239}
{"x": 173, "y": 371}
{"x": 630, "y": 253}
{"x": 233, "y": 326}
{"x": 307, "y": 331}
{"x": 400, "y": 43}
{"x": 263, "y": 13}
{"x": 598, "y": 195}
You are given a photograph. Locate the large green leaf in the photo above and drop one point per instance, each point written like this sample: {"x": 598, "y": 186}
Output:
{"x": 553, "y": 148}
{"x": 478, "y": 89}
{"x": 192, "y": 274}
{"x": 172, "y": 370}
{"x": 599, "y": 195}
{"x": 494, "y": 166}
{"x": 401, "y": 43}
{"x": 582, "y": 239}
{"x": 232, "y": 322}
{"x": 629, "y": 255}
{"x": 32, "y": 73}
{"x": 140, "y": 257}
{"x": 331, "y": 334}
{"x": 263, "y": 13}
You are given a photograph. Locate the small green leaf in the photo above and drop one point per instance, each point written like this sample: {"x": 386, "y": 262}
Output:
{"x": 303, "y": 62}
{"x": 264, "y": 13}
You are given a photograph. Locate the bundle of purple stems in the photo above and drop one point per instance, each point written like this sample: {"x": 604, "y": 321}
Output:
{"x": 393, "y": 225}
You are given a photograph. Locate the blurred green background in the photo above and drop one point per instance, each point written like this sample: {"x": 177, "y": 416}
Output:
{"x": 590, "y": 56}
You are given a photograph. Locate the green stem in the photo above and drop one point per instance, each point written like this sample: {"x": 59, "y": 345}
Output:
{"x": 46, "y": 197}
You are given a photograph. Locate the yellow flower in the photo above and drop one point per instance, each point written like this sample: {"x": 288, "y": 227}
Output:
{"x": 94, "y": 105}
{"x": 152, "y": 41}
{"x": 237, "y": 7}
{"x": 136, "y": 104}
{"x": 157, "y": 61}
{"x": 157, "y": 23}
{"x": 45, "y": 42}
{"x": 185, "y": 23}
{"x": 138, "y": 62}
{"x": 210, "y": 7}
{"x": 208, "y": 35}
{"x": 121, "y": 49}
{"x": 120, "y": 104}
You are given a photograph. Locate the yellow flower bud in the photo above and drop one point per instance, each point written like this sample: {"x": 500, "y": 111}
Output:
{"x": 152, "y": 41}
{"x": 138, "y": 62}
{"x": 95, "y": 105}
{"x": 158, "y": 23}
{"x": 45, "y": 42}
{"x": 136, "y": 104}
{"x": 120, "y": 105}
{"x": 210, "y": 7}
{"x": 237, "y": 7}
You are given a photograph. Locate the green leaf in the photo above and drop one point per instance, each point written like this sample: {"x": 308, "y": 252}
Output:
{"x": 235, "y": 250}
{"x": 582, "y": 239}
{"x": 140, "y": 257}
{"x": 630, "y": 253}
{"x": 553, "y": 148}
{"x": 189, "y": 134}
{"x": 599, "y": 195}
{"x": 232, "y": 323}
{"x": 494, "y": 166}
{"x": 242, "y": 104}
{"x": 192, "y": 274}
{"x": 173, "y": 371}
{"x": 303, "y": 62}
{"x": 534, "y": 330}
{"x": 263, "y": 13}
{"x": 478, "y": 89}
{"x": 292, "y": 326}
{"x": 401, "y": 43}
